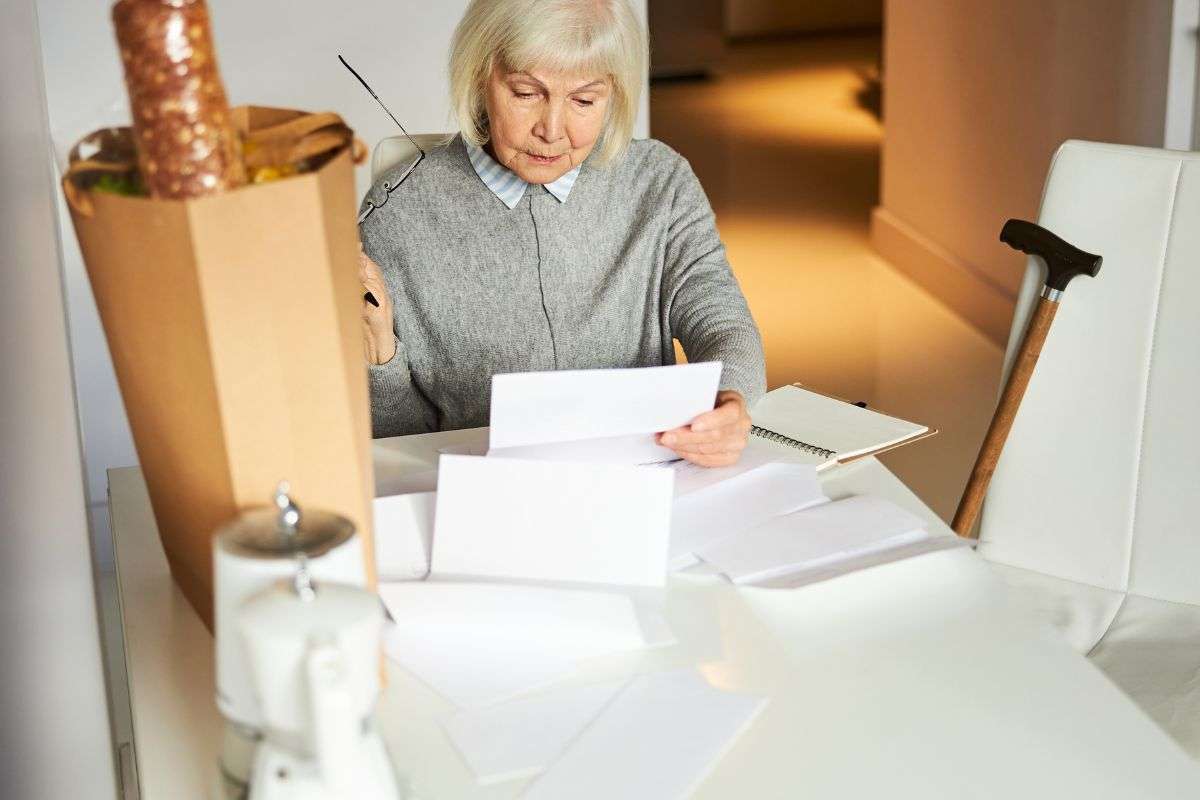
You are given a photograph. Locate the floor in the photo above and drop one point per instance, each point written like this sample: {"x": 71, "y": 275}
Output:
{"x": 786, "y": 141}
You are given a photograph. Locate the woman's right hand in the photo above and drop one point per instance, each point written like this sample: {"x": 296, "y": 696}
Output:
{"x": 379, "y": 338}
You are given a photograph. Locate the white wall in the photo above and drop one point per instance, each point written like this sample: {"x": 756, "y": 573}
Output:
{"x": 54, "y": 735}
{"x": 271, "y": 52}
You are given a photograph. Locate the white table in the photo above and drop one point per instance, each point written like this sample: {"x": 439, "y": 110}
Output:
{"x": 916, "y": 679}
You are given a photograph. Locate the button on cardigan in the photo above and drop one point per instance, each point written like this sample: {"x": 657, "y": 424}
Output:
{"x": 605, "y": 278}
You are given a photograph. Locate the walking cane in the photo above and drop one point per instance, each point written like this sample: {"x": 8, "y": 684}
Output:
{"x": 1064, "y": 262}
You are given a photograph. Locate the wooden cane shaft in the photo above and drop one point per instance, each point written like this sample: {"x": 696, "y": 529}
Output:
{"x": 1002, "y": 420}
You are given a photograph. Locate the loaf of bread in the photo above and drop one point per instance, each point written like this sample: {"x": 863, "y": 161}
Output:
{"x": 187, "y": 145}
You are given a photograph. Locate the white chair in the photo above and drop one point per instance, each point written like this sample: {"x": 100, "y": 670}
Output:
{"x": 1093, "y": 509}
{"x": 396, "y": 150}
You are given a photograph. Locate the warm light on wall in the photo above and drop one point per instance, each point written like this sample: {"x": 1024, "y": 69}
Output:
{"x": 787, "y": 146}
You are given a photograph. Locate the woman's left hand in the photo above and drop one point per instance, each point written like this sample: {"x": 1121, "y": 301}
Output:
{"x": 715, "y": 438}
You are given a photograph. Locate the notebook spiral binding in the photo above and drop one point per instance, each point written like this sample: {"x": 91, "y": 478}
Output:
{"x": 779, "y": 438}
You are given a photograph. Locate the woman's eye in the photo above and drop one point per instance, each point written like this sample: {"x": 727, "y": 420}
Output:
{"x": 584, "y": 103}
{"x": 525, "y": 94}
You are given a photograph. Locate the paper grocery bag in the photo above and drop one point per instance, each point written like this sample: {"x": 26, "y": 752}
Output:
{"x": 233, "y": 323}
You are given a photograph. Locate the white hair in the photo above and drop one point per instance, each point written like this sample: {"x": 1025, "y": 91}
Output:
{"x": 594, "y": 36}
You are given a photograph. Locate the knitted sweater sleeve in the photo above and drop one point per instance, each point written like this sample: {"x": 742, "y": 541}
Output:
{"x": 707, "y": 310}
{"x": 398, "y": 407}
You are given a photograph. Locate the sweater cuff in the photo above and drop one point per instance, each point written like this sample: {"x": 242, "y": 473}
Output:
{"x": 391, "y": 373}
{"x": 750, "y": 386}
{"x": 391, "y": 396}
{"x": 742, "y": 371}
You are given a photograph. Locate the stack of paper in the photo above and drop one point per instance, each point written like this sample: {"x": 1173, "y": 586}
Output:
{"x": 814, "y": 539}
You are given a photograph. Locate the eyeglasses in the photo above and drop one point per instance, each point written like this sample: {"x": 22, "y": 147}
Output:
{"x": 388, "y": 186}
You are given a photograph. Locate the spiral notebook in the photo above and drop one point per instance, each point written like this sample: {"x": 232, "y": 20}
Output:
{"x": 827, "y": 431}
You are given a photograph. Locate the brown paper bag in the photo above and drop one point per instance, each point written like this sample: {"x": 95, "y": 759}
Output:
{"x": 233, "y": 322}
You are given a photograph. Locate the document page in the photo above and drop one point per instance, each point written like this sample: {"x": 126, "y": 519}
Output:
{"x": 608, "y": 415}
{"x": 727, "y": 509}
{"x": 658, "y": 738}
{"x": 552, "y": 521}
{"x": 814, "y": 538}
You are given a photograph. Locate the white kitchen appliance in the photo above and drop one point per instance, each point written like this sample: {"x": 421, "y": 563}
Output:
{"x": 314, "y": 655}
{"x": 253, "y": 553}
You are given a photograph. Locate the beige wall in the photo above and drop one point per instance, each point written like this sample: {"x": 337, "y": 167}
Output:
{"x": 977, "y": 96}
{"x": 766, "y": 17}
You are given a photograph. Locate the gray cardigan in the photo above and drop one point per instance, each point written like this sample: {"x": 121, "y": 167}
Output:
{"x": 631, "y": 260}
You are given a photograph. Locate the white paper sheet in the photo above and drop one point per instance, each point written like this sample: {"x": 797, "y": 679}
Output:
{"x": 727, "y": 509}
{"x": 481, "y": 643}
{"x": 557, "y": 415}
{"x": 471, "y": 673}
{"x": 539, "y": 520}
{"x": 895, "y": 551}
{"x": 658, "y": 738}
{"x": 569, "y": 623}
{"x": 403, "y": 535}
{"x": 522, "y": 737}
{"x": 814, "y": 538}
{"x": 638, "y": 448}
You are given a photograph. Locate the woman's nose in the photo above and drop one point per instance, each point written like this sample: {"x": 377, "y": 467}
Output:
{"x": 549, "y": 126}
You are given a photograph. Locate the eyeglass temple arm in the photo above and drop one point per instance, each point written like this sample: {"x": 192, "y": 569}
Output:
{"x": 353, "y": 72}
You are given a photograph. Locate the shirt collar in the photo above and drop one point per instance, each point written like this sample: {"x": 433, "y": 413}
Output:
{"x": 505, "y": 184}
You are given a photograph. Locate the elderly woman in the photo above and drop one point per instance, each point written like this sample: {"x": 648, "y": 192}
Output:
{"x": 542, "y": 238}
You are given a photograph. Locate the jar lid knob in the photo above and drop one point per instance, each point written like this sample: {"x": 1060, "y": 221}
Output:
{"x": 289, "y": 513}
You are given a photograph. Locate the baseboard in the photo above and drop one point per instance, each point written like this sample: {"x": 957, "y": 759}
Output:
{"x": 986, "y": 306}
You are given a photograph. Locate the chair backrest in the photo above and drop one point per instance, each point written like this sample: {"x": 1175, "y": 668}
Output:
{"x": 399, "y": 149}
{"x": 1100, "y": 479}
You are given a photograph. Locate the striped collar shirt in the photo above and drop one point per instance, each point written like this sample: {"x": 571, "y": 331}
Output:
{"x": 505, "y": 184}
